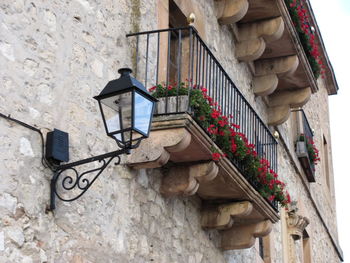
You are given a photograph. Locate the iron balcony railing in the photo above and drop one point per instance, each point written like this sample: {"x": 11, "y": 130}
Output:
{"x": 177, "y": 54}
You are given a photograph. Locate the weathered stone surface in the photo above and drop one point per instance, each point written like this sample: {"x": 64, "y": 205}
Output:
{"x": 54, "y": 57}
{"x": 16, "y": 235}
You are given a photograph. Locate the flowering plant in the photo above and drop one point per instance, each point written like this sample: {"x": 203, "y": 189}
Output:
{"x": 301, "y": 22}
{"x": 311, "y": 149}
{"x": 233, "y": 144}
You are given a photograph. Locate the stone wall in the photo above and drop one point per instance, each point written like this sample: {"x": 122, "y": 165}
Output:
{"x": 55, "y": 56}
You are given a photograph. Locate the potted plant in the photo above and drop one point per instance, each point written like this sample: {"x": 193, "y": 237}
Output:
{"x": 308, "y": 155}
{"x": 172, "y": 98}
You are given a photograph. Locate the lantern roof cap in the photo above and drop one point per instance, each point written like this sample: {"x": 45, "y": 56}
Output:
{"x": 124, "y": 82}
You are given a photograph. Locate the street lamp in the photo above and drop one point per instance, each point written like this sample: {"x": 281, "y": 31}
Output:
{"x": 127, "y": 111}
{"x": 126, "y": 108}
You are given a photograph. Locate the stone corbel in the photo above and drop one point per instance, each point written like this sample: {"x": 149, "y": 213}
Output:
{"x": 281, "y": 66}
{"x": 185, "y": 180}
{"x": 280, "y": 104}
{"x": 243, "y": 236}
{"x": 222, "y": 216}
{"x": 265, "y": 85}
{"x": 269, "y": 29}
{"x": 294, "y": 98}
{"x": 155, "y": 152}
{"x": 250, "y": 50}
{"x": 231, "y": 11}
{"x": 278, "y": 115}
{"x": 268, "y": 71}
{"x": 252, "y": 38}
{"x": 296, "y": 225}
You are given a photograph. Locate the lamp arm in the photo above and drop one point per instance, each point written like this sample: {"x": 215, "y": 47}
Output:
{"x": 79, "y": 181}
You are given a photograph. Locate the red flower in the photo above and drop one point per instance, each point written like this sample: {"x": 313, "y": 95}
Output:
{"x": 152, "y": 89}
{"x": 215, "y": 114}
{"x": 216, "y": 156}
{"x": 222, "y": 123}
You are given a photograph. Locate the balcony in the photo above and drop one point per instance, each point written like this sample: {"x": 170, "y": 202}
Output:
{"x": 268, "y": 40}
{"x": 304, "y": 146}
{"x": 232, "y": 199}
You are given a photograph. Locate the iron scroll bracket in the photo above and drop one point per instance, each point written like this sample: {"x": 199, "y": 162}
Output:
{"x": 79, "y": 182}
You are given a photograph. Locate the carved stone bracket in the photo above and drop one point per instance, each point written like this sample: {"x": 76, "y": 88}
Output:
{"x": 184, "y": 180}
{"x": 162, "y": 143}
{"x": 281, "y": 66}
{"x": 280, "y": 104}
{"x": 222, "y": 216}
{"x": 252, "y": 38}
{"x": 231, "y": 11}
{"x": 269, "y": 71}
{"x": 243, "y": 236}
{"x": 296, "y": 225}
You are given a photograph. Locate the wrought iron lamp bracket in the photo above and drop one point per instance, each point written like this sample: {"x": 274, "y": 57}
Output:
{"x": 77, "y": 181}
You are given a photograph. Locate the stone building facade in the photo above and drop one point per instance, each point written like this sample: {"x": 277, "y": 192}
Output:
{"x": 56, "y": 55}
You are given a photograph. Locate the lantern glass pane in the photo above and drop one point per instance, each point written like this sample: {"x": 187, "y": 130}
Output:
{"x": 117, "y": 113}
{"x": 142, "y": 113}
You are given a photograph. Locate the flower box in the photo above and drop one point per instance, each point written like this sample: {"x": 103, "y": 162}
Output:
{"x": 303, "y": 156}
{"x": 167, "y": 105}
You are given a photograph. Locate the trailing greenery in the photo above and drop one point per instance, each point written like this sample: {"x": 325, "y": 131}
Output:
{"x": 307, "y": 38}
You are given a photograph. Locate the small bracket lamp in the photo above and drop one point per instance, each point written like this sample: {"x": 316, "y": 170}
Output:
{"x": 127, "y": 111}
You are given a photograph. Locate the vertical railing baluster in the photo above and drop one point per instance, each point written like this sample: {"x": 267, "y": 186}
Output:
{"x": 197, "y": 62}
{"x": 190, "y": 70}
{"x": 206, "y": 70}
{"x": 167, "y": 72}
{"x": 157, "y": 71}
{"x": 146, "y": 66}
{"x": 179, "y": 54}
{"x": 137, "y": 56}
{"x": 200, "y": 66}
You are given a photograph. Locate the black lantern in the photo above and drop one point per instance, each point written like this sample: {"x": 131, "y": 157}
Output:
{"x": 127, "y": 109}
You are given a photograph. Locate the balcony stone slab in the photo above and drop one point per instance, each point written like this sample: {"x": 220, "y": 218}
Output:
{"x": 180, "y": 145}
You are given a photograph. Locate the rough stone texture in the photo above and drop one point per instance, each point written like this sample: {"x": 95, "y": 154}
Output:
{"x": 54, "y": 56}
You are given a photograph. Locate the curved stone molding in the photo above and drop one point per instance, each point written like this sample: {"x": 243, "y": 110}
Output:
{"x": 269, "y": 29}
{"x": 231, "y": 11}
{"x": 296, "y": 225}
{"x": 265, "y": 85}
{"x": 250, "y": 50}
{"x": 280, "y": 104}
{"x": 243, "y": 236}
{"x": 185, "y": 180}
{"x": 155, "y": 152}
{"x": 281, "y": 66}
{"x": 293, "y": 98}
{"x": 222, "y": 216}
{"x": 278, "y": 115}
